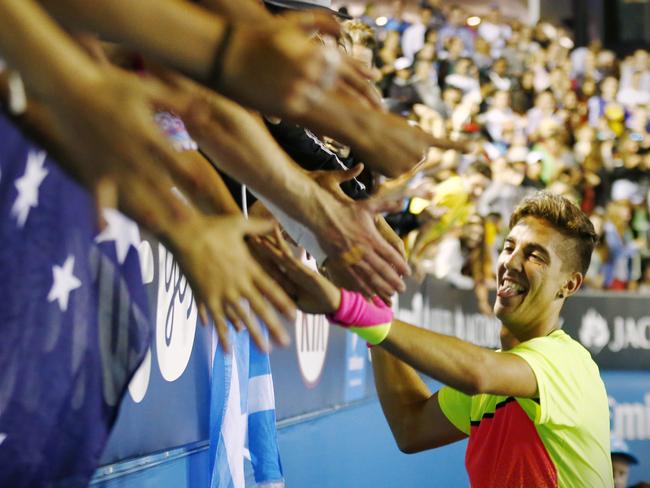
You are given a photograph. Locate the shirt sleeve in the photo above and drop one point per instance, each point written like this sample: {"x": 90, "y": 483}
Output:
{"x": 552, "y": 368}
{"x": 456, "y": 406}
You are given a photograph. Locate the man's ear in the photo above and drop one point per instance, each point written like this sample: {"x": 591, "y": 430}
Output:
{"x": 573, "y": 284}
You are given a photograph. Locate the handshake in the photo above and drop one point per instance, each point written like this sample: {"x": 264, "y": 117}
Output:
{"x": 313, "y": 293}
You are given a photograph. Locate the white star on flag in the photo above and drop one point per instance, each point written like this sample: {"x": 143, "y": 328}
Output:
{"x": 64, "y": 283}
{"x": 122, "y": 230}
{"x": 27, "y": 186}
{"x": 3, "y": 436}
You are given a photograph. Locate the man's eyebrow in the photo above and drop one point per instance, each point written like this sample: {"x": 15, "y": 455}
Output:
{"x": 540, "y": 248}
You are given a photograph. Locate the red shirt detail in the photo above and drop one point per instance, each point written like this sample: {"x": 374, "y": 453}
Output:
{"x": 505, "y": 450}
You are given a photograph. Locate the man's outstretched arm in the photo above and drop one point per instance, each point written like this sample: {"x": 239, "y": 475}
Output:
{"x": 468, "y": 368}
{"x": 413, "y": 413}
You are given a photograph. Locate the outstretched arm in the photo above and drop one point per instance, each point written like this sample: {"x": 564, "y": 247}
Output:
{"x": 412, "y": 412}
{"x": 468, "y": 368}
{"x": 459, "y": 364}
{"x": 239, "y": 143}
{"x": 303, "y": 81}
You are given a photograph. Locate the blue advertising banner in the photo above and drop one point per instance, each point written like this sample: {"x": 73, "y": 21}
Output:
{"x": 172, "y": 385}
{"x": 629, "y": 406}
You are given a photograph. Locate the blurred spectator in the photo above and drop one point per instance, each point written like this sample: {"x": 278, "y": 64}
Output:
{"x": 456, "y": 27}
{"x": 622, "y": 459}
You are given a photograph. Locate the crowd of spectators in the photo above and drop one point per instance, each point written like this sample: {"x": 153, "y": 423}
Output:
{"x": 543, "y": 114}
{"x": 169, "y": 111}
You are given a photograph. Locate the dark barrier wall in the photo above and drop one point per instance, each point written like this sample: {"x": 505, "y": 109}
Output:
{"x": 615, "y": 327}
{"x": 168, "y": 402}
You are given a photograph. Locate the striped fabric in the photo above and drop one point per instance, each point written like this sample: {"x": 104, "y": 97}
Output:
{"x": 242, "y": 417}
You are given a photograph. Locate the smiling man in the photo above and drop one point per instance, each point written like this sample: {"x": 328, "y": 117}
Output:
{"x": 536, "y": 413}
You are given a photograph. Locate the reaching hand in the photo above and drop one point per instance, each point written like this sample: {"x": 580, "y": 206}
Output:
{"x": 117, "y": 152}
{"x": 222, "y": 272}
{"x": 103, "y": 126}
{"x": 357, "y": 251}
{"x": 312, "y": 292}
{"x": 275, "y": 68}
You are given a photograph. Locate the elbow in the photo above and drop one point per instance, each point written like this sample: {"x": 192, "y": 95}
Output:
{"x": 407, "y": 446}
{"x": 405, "y": 439}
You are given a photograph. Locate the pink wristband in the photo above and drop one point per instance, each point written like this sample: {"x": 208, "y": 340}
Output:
{"x": 370, "y": 320}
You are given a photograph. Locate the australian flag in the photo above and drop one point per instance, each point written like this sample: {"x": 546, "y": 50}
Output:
{"x": 73, "y": 321}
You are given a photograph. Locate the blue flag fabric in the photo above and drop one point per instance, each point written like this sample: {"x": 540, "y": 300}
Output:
{"x": 73, "y": 321}
{"x": 242, "y": 418}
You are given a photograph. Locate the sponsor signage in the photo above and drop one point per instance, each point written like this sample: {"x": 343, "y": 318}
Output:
{"x": 629, "y": 411}
{"x": 614, "y": 327}
{"x": 168, "y": 399}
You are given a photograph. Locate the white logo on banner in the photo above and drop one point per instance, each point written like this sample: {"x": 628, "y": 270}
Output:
{"x": 176, "y": 316}
{"x": 631, "y": 421}
{"x": 627, "y": 332}
{"x": 140, "y": 381}
{"x": 312, "y": 336}
{"x": 594, "y": 331}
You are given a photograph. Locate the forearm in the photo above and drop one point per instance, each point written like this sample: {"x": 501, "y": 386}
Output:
{"x": 239, "y": 143}
{"x": 400, "y": 389}
{"x": 222, "y": 202}
{"x": 250, "y": 11}
{"x": 47, "y": 58}
{"x": 180, "y": 34}
{"x": 454, "y": 362}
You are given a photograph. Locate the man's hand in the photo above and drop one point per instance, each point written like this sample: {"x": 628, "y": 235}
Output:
{"x": 312, "y": 292}
{"x": 213, "y": 254}
{"x": 298, "y": 74}
{"x": 103, "y": 124}
{"x": 374, "y": 263}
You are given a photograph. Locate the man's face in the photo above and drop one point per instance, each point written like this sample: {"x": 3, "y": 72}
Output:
{"x": 530, "y": 274}
{"x": 621, "y": 471}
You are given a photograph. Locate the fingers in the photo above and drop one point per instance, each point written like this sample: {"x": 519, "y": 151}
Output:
{"x": 380, "y": 285}
{"x": 357, "y": 77}
{"x": 274, "y": 294}
{"x": 343, "y": 175}
{"x": 272, "y": 266}
{"x": 310, "y": 22}
{"x": 222, "y": 329}
{"x": 203, "y": 313}
{"x": 384, "y": 203}
{"x": 389, "y": 234}
{"x": 361, "y": 282}
{"x": 264, "y": 312}
{"x": 390, "y": 257}
{"x": 251, "y": 324}
{"x": 257, "y": 226}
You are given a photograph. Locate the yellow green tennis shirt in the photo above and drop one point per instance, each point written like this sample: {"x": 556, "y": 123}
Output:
{"x": 560, "y": 439}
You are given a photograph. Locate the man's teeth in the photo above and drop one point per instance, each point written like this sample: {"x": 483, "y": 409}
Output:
{"x": 509, "y": 285}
